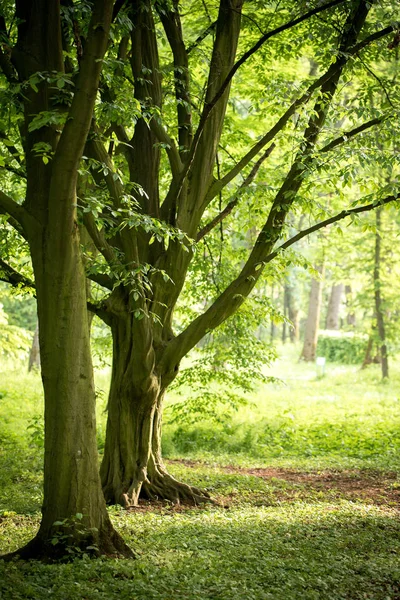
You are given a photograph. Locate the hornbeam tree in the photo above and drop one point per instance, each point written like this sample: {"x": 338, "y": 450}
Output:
{"x": 32, "y": 59}
{"x": 140, "y": 309}
{"x": 168, "y": 164}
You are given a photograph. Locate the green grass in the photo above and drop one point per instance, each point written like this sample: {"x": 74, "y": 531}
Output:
{"x": 348, "y": 418}
{"x": 268, "y": 538}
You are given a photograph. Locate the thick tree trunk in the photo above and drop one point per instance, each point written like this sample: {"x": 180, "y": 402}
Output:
{"x": 74, "y": 514}
{"x": 312, "y": 325}
{"x": 378, "y": 297}
{"x": 34, "y": 355}
{"x": 332, "y": 317}
{"x": 132, "y": 465}
{"x": 71, "y": 475}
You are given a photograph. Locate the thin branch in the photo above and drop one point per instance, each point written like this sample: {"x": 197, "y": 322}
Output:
{"x": 322, "y": 224}
{"x": 218, "y": 185}
{"x": 350, "y": 134}
{"x": 331, "y": 72}
{"x": 11, "y": 148}
{"x": 378, "y": 79}
{"x": 235, "y": 199}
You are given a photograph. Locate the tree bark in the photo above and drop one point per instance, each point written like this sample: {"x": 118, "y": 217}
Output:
{"x": 332, "y": 317}
{"x": 308, "y": 353}
{"x": 34, "y": 355}
{"x": 74, "y": 513}
{"x": 132, "y": 465}
{"x": 379, "y": 310}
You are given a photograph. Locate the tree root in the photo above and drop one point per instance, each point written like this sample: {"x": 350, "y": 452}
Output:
{"x": 107, "y": 542}
{"x": 162, "y": 486}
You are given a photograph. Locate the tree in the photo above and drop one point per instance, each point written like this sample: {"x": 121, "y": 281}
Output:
{"x": 312, "y": 324}
{"x": 332, "y": 317}
{"x": 35, "y": 70}
{"x": 147, "y": 351}
{"x": 380, "y": 321}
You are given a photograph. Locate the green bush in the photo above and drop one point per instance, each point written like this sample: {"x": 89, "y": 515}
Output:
{"x": 342, "y": 347}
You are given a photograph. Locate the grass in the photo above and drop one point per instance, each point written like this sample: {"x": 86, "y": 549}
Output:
{"x": 308, "y": 494}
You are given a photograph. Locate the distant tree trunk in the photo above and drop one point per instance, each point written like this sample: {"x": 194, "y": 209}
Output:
{"x": 34, "y": 355}
{"x": 371, "y": 357}
{"x": 286, "y": 300}
{"x": 273, "y": 326}
{"x": 312, "y": 324}
{"x": 291, "y": 312}
{"x": 350, "y": 317}
{"x": 378, "y": 298}
{"x": 332, "y": 317}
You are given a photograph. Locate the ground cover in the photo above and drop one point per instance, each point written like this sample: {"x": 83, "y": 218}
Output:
{"x": 298, "y": 514}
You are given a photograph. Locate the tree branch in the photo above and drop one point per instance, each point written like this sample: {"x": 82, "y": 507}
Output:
{"x": 330, "y": 221}
{"x": 99, "y": 239}
{"x": 16, "y": 211}
{"x": 201, "y": 37}
{"x": 9, "y": 275}
{"x": 102, "y": 279}
{"x": 173, "y": 29}
{"x": 218, "y": 185}
{"x": 76, "y": 129}
{"x": 350, "y": 134}
{"x": 235, "y": 199}
{"x": 170, "y": 147}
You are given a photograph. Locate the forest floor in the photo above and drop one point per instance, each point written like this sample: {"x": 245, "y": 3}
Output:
{"x": 306, "y": 483}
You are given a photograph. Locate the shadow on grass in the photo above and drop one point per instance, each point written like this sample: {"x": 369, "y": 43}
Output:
{"x": 308, "y": 552}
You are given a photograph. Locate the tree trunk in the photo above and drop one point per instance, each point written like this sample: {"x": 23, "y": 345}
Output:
{"x": 34, "y": 355}
{"x": 332, "y": 317}
{"x": 350, "y": 317}
{"x": 378, "y": 297}
{"x": 132, "y": 465}
{"x": 312, "y": 324}
{"x": 71, "y": 477}
{"x": 291, "y": 311}
{"x": 74, "y": 515}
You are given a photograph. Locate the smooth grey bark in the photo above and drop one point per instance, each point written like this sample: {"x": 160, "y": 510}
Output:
{"x": 308, "y": 353}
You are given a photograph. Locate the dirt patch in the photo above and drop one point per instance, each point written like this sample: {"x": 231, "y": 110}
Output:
{"x": 374, "y": 487}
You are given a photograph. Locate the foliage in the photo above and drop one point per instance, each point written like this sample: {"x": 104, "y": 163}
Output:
{"x": 225, "y": 368}
{"x": 20, "y": 308}
{"x": 14, "y": 341}
{"x": 342, "y": 347}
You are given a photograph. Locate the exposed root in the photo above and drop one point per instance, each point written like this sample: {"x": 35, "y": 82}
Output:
{"x": 162, "y": 486}
{"x": 108, "y": 543}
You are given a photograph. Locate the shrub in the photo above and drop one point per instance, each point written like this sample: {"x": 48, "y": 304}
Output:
{"x": 342, "y": 347}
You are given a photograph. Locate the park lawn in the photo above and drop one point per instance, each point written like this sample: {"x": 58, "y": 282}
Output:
{"x": 306, "y": 489}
